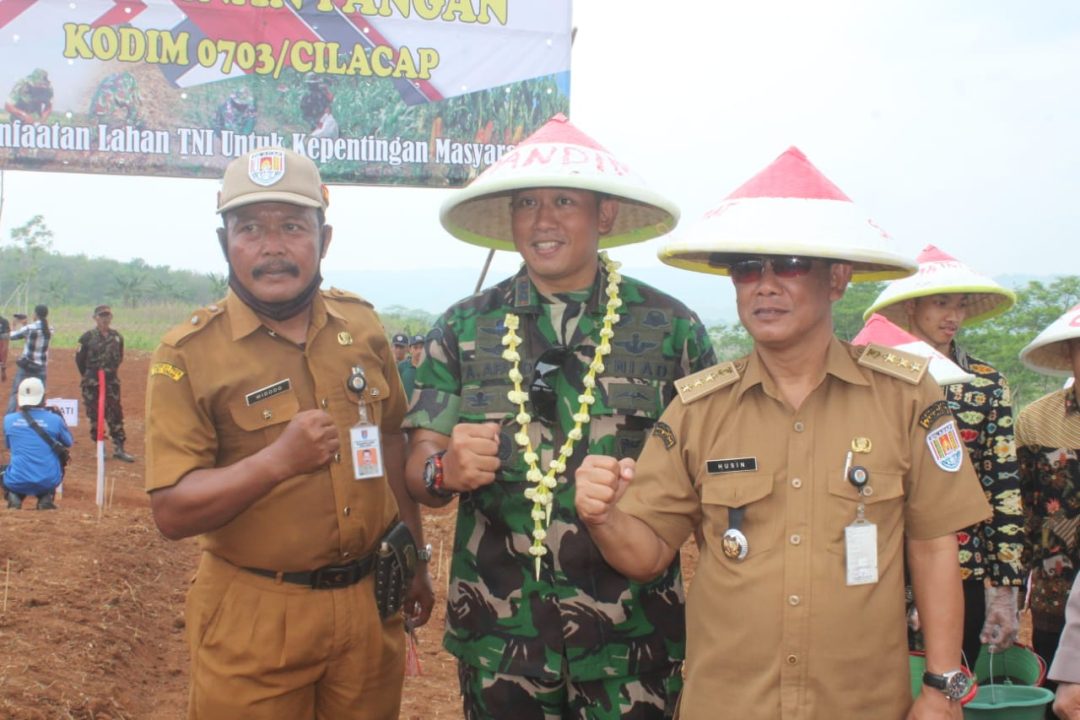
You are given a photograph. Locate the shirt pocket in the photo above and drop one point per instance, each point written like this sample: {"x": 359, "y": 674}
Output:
{"x": 883, "y": 504}
{"x": 374, "y": 396}
{"x": 753, "y": 493}
{"x": 265, "y": 420}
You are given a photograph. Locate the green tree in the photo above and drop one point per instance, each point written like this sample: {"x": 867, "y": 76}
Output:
{"x": 730, "y": 341}
{"x": 33, "y": 241}
{"x": 848, "y": 311}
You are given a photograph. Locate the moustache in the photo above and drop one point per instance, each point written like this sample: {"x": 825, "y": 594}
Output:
{"x": 275, "y": 266}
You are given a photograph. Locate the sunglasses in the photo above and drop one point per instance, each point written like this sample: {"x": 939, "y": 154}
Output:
{"x": 751, "y": 270}
{"x": 542, "y": 395}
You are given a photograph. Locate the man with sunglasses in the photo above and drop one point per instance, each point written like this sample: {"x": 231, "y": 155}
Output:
{"x": 518, "y": 384}
{"x": 806, "y": 471}
{"x": 944, "y": 296}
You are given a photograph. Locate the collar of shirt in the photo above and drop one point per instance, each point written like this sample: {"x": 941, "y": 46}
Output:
{"x": 596, "y": 305}
{"x": 244, "y": 321}
{"x": 838, "y": 362}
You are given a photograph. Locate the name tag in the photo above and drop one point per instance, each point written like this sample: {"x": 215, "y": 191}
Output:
{"x": 269, "y": 391}
{"x": 730, "y": 465}
{"x": 366, "y": 452}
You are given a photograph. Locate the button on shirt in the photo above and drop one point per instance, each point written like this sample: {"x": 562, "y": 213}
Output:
{"x": 781, "y": 634}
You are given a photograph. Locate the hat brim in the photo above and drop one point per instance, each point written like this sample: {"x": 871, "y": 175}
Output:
{"x": 986, "y": 298}
{"x": 480, "y": 213}
{"x": 1049, "y": 353}
{"x": 269, "y": 196}
{"x": 827, "y": 229}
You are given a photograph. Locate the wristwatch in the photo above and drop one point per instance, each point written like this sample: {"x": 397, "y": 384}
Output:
{"x": 433, "y": 476}
{"x": 423, "y": 554}
{"x": 953, "y": 684}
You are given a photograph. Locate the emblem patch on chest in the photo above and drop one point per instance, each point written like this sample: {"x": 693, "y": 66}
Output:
{"x": 946, "y": 447}
{"x": 269, "y": 391}
{"x": 730, "y": 465}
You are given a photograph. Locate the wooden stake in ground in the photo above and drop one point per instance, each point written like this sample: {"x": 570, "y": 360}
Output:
{"x": 7, "y": 580}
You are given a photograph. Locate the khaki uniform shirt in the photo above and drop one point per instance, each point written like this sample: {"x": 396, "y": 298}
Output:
{"x": 223, "y": 386}
{"x": 780, "y": 634}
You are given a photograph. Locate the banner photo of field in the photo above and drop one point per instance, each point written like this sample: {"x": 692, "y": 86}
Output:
{"x": 403, "y": 92}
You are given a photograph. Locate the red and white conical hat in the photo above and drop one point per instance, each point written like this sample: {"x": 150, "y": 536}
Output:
{"x": 881, "y": 331}
{"x": 1048, "y": 352}
{"x": 939, "y": 273}
{"x": 789, "y": 208}
{"x": 556, "y": 155}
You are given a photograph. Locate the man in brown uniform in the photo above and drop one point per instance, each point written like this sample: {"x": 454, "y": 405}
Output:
{"x": 251, "y": 409}
{"x": 806, "y": 470}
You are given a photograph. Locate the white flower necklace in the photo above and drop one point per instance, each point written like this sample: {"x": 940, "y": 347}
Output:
{"x": 543, "y": 483}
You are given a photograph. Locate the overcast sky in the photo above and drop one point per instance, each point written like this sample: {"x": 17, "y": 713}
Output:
{"x": 953, "y": 123}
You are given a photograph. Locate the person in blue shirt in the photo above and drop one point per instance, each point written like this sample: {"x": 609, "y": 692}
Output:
{"x": 35, "y": 468}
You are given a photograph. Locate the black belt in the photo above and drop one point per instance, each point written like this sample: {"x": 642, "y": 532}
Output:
{"x": 326, "y": 577}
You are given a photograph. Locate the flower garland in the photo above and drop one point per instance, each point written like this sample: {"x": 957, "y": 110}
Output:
{"x": 540, "y": 493}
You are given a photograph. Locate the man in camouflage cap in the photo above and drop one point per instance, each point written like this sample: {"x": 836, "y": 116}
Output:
{"x": 518, "y": 384}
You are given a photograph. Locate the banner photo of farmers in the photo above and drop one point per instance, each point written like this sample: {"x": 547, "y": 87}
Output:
{"x": 401, "y": 92}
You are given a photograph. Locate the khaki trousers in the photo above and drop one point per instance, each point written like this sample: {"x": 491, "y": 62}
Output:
{"x": 264, "y": 650}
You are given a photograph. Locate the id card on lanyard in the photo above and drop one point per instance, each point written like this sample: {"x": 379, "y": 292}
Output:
{"x": 365, "y": 445}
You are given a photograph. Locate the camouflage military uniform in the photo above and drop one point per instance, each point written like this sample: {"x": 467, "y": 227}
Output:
{"x": 117, "y": 99}
{"x": 106, "y": 352}
{"x": 581, "y": 619}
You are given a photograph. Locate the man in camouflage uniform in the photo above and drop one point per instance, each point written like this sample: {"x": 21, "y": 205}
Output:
{"x": 117, "y": 99}
{"x": 238, "y": 113}
{"x": 31, "y": 98}
{"x": 562, "y": 634}
{"x": 103, "y": 349}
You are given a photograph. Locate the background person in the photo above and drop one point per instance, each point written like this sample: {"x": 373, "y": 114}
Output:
{"x": 540, "y": 624}
{"x": 806, "y": 471}
{"x": 34, "y": 360}
{"x": 103, "y": 349}
{"x": 943, "y": 297}
{"x": 251, "y": 406}
{"x": 34, "y": 468}
{"x": 5, "y": 339}
{"x": 407, "y": 367}
{"x": 400, "y": 347}
{"x": 1048, "y": 447}
{"x": 31, "y": 98}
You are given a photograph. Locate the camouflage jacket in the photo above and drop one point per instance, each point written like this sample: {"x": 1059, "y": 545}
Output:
{"x": 983, "y": 411}
{"x": 581, "y": 617}
{"x": 99, "y": 351}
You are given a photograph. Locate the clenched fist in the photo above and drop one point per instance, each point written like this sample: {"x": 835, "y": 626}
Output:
{"x": 599, "y": 483}
{"x": 472, "y": 457}
{"x": 307, "y": 443}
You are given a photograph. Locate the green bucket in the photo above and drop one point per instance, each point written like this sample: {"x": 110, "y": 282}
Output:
{"x": 917, "y": 663}
{"x": 1008, "y": 702}
{"x": 1018, "y": 665}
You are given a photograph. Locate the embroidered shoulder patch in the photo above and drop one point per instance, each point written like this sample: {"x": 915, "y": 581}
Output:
{"x": 946, "y": 447}
{"x": 166, "y": 369}
{"x": 933, "y": 413}
{"x": 663, "y": 431}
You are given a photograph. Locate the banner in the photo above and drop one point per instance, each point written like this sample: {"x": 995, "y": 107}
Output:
{"x": 407, "y": 92}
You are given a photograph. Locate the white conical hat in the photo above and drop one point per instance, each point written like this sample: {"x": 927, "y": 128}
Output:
{"x": 939, "y": 273}
{"x": 789, "y": 208}
{"x": 556, "y": 155}
{"x": 1047, "y": 353}
{"x": 881, "y": 331}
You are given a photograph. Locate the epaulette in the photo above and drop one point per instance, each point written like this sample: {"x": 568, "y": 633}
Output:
{"x": 904, "y": 365}
{"x": 339, "y": 294}
{"x": 702, "y": 383}
{"x": 199, "y": 320}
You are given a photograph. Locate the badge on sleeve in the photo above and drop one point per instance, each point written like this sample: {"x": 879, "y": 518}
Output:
{"x": 663, "y": 431}
{"x": 932, "y": 414}
{"x": 946, "y": 447}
